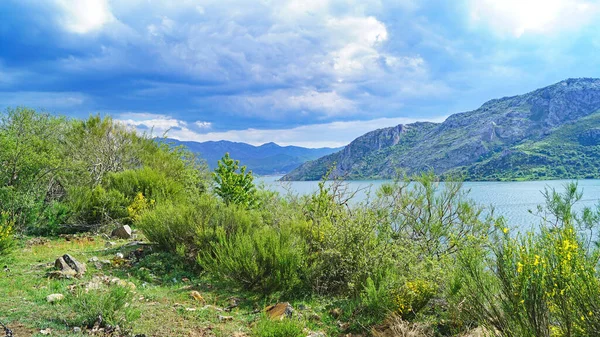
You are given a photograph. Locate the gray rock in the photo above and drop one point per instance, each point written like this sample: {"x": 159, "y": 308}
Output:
{"x": 74, "y": 264}
{"x": 123, "y": 232}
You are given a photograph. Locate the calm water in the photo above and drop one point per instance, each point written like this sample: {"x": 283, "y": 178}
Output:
{"x": 513, "y": 200}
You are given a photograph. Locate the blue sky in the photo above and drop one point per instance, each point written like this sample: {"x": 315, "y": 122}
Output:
{"x": 297, "y": 72}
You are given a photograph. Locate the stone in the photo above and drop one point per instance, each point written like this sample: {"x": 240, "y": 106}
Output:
{"x": 53, "y": 298}
{"x": 225, "y": 318}
{"x": 74, "y": 264}
{"x": 109, "y": 244}
{"x": 123, "y": 232}
{"x": 77, "y": 329}
{"x": 316, "y": 334}
{"x": 46, "y": 332}
{"x": 279, "y": 310}
{"x": 119, "y": 256}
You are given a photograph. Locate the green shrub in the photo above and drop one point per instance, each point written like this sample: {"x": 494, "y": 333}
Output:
{"x": 113, "y": 305}
{"x": 266, "y": 327}
{"x": 264, "y": 259}
{"x": 93, "y": 208}
{"x": 232, "y": 186}
{"x": 538, "y": 284}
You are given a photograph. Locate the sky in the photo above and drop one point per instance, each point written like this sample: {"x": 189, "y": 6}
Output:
{"x": 310, "y": 73}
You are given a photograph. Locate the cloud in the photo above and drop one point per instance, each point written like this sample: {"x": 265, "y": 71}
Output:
{"x": 203, "y": 125}
{"x": 335, "y": 134}
{"x": 84, "y": 16}
{"x": 518, "y": 17}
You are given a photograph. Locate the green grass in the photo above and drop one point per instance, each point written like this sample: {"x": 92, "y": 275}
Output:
{"x": 162, "y": 295}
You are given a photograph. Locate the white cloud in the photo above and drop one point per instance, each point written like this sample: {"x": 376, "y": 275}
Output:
{"x": 518, "y": 17}
{"x": 335, "y": 134}
{"x": 84, "y": 16}
{"x": 203, "y": 125}
{"x": 308, "y": 101}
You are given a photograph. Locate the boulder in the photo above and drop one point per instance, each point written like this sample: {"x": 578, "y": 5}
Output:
{"x": 74, "y": 264}
{"x": 123, "y": 232}
{"x": 279, "y": 310}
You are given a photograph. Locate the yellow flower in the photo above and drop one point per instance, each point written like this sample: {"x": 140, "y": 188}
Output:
{"x": 519, "y": 267}
{"x": 537, "y": 260}
{"x": 505, "y": 230}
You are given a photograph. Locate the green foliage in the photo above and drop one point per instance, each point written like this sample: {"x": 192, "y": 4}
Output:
{"x": 266, "y": 327}
{"x": 113, "y": 306}
{"x": 538, "y": 284}
{"x": 29, "y": 162}
{"x": 6, "y": 233}
{"x": 264, "y": 259}
{"x": 233, "y": 186}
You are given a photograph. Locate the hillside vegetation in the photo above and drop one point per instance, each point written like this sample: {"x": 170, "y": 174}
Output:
{"x": 550, "y": 133}
{"x": 214, "y": 255}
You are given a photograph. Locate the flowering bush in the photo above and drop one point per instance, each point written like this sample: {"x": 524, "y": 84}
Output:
{"x": 541, "y": 283}
{"x": 6, "y": 233}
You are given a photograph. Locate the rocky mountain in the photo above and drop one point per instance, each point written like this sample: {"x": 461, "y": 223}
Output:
{"x": 553, "y": 132}
{"x": 268, "y": 158}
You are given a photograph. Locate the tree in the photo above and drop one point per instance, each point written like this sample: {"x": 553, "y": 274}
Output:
{"x": 232, "y": 186}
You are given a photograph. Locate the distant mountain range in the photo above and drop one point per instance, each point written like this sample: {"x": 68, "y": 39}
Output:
{"x": 550, "y": 133}
{"x": 266, "y": 159}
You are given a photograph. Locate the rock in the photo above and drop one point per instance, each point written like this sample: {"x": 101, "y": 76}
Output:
{"x": 93, "y": 259}
{"x": 77, "y": 329}
{"x": 279, "y": 310}
{"x": 46, "y": 332}
{"x": 109, "y": 244}
{"x": 61, "y": 264}
{"x": 197, "y": 296}
{"x": 123, "y": 232}
{"x": 67, "y": 267}
{"x": 53, "y": 298}
{"x": 119, "y": 256}
{"x": 225, "y": 318}
{"x": 74, "y": 264}
{"x": 316, "y": 334}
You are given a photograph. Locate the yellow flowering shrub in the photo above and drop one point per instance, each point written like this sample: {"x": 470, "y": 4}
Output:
{"x": 139, "y": 204}
{"x": 413, "y": 296}
{"x": 6, "y": 232}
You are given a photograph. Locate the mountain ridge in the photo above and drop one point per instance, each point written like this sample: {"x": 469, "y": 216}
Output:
{"x": 467, "y": 143}
{"x": 265, "y": 159}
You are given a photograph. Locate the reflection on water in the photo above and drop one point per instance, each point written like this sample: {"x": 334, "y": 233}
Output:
{"x": 513, "y": 200}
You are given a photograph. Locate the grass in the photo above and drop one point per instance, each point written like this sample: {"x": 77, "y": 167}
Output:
{"x": 162, "y": 295}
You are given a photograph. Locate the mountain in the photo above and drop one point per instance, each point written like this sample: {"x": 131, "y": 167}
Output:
{"x": 268, "y": 158}
{"x": 550, "y": 133}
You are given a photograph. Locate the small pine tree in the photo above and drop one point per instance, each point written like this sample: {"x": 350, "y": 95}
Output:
{"x": 232, "y": 186}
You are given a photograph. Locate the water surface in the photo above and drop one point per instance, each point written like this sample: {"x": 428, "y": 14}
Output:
{"x": 513, "y": 200}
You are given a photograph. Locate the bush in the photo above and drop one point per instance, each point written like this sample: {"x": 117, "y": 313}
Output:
{"x": 264, "y": 259}
{"x": 537, "y": 284}
{"x": 6, "y": 233}
{"x": 106, "y": 307}
{"x": 176, "y": 225}
{"x": 266, "y": 327}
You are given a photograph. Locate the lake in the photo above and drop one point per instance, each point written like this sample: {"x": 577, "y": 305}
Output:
{"x": 513, "y": 200}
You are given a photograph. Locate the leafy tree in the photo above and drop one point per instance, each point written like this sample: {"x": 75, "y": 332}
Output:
{"x": 234, "y": 184}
